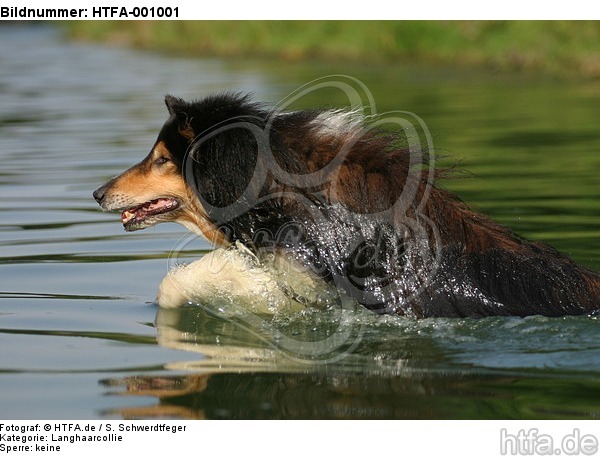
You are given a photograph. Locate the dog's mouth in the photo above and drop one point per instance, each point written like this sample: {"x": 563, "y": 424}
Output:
{"x": 149, "y": 213}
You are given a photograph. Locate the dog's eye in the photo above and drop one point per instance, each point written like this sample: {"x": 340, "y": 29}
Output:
{"x": 161, "y": 160}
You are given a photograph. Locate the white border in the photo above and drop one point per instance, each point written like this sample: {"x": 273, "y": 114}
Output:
{"x": 344, "y": 10}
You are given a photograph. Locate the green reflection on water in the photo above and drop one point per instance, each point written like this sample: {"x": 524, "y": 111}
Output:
{"x": 526, "y": 152}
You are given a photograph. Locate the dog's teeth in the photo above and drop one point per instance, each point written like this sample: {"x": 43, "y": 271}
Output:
{"x": 147, "y": 209}
{"x": 126, "y": 216}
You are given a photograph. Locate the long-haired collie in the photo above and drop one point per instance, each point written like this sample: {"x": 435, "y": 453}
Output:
{"x": 299, "y": 203}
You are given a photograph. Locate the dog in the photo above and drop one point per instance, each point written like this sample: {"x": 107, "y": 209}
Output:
{"x": 345, "y": 206}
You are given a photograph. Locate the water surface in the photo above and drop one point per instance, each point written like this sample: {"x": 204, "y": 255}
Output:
{"x": 80, "y": 336}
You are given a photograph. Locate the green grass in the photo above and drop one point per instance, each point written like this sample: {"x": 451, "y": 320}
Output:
{"x": 565, "y": 48}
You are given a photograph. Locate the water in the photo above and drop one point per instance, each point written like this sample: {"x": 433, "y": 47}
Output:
{"x": 80, "y": 336}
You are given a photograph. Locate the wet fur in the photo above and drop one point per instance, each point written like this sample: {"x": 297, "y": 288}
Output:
{"x": 334, "y": 204}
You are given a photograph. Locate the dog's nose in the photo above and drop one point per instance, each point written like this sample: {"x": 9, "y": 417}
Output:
{"x": 99, "y": 194}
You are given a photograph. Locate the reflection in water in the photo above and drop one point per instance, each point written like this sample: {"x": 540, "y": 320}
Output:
{"x": 358, "y": 396}
{"x": 239, "y": 375}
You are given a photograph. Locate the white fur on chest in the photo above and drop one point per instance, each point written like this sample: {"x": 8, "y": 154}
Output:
{"x": 269, "y": 285}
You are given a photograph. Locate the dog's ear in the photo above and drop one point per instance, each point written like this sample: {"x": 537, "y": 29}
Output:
{"x": 180, "y": 109}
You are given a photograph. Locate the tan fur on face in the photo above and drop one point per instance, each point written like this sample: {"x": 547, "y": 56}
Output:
{"x": 148, "y": 180}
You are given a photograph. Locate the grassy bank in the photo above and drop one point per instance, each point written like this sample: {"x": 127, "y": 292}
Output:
{"x": 554, "y": 47}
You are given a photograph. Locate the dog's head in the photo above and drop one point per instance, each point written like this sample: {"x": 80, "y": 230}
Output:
{"x": 154, "y": 190}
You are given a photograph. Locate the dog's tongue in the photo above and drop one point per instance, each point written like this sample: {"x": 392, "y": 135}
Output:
{"x": 143, "y": 210}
